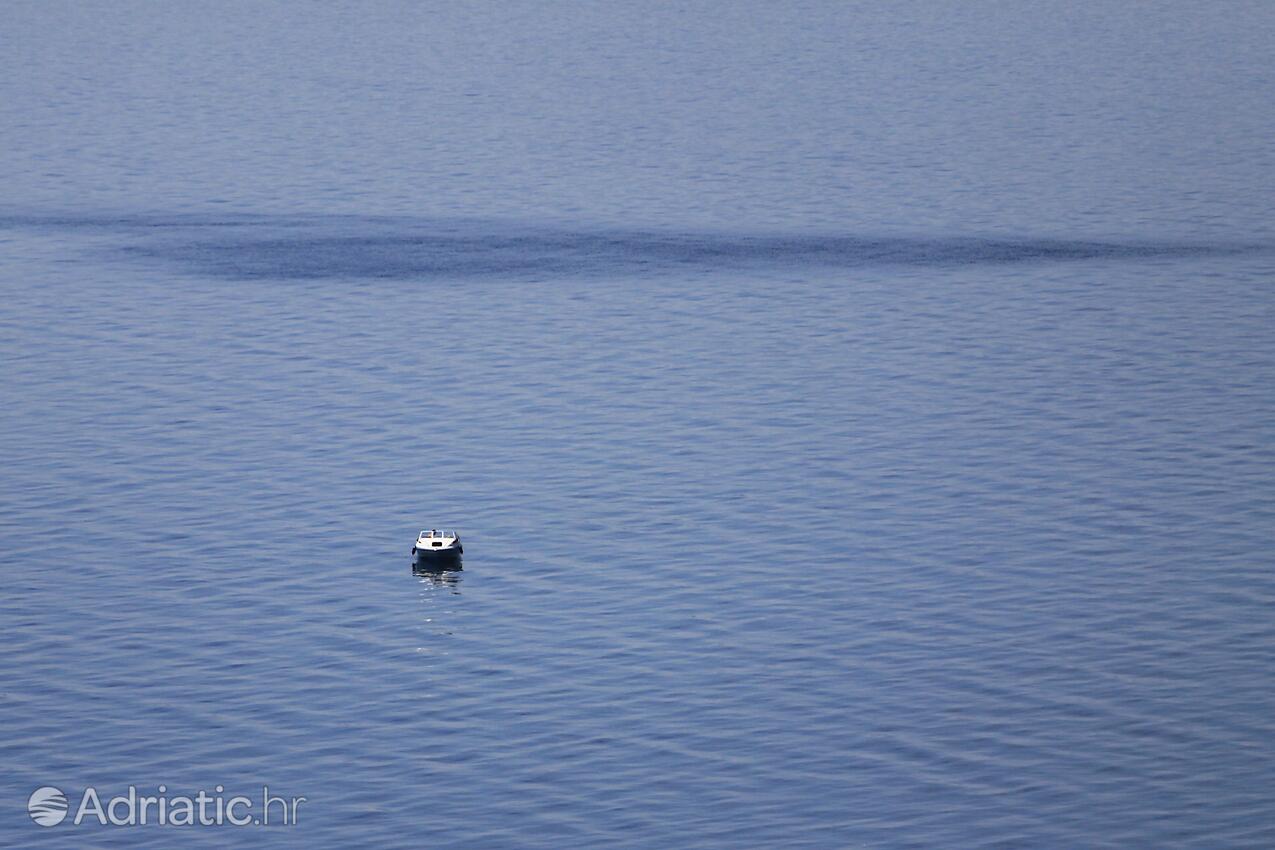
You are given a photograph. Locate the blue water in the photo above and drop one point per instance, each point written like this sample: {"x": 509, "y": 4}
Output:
{"x": 860, "y": 420}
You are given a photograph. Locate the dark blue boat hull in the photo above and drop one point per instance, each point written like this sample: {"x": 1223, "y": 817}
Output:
{"x": 437, "y": 559}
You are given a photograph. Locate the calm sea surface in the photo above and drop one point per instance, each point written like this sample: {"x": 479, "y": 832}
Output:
{"x": 860, "y": 419}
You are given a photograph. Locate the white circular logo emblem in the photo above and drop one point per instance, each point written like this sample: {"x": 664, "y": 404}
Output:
{"x": 47, "y": 806}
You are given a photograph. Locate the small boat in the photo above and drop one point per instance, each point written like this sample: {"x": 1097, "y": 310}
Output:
{"x": 437, "y": 549}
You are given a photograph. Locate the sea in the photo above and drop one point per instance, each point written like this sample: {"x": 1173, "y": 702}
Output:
{"x": 859, "y": 418}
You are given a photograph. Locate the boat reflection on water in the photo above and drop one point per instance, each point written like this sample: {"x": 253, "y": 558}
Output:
{"x": 439, "y": 575}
